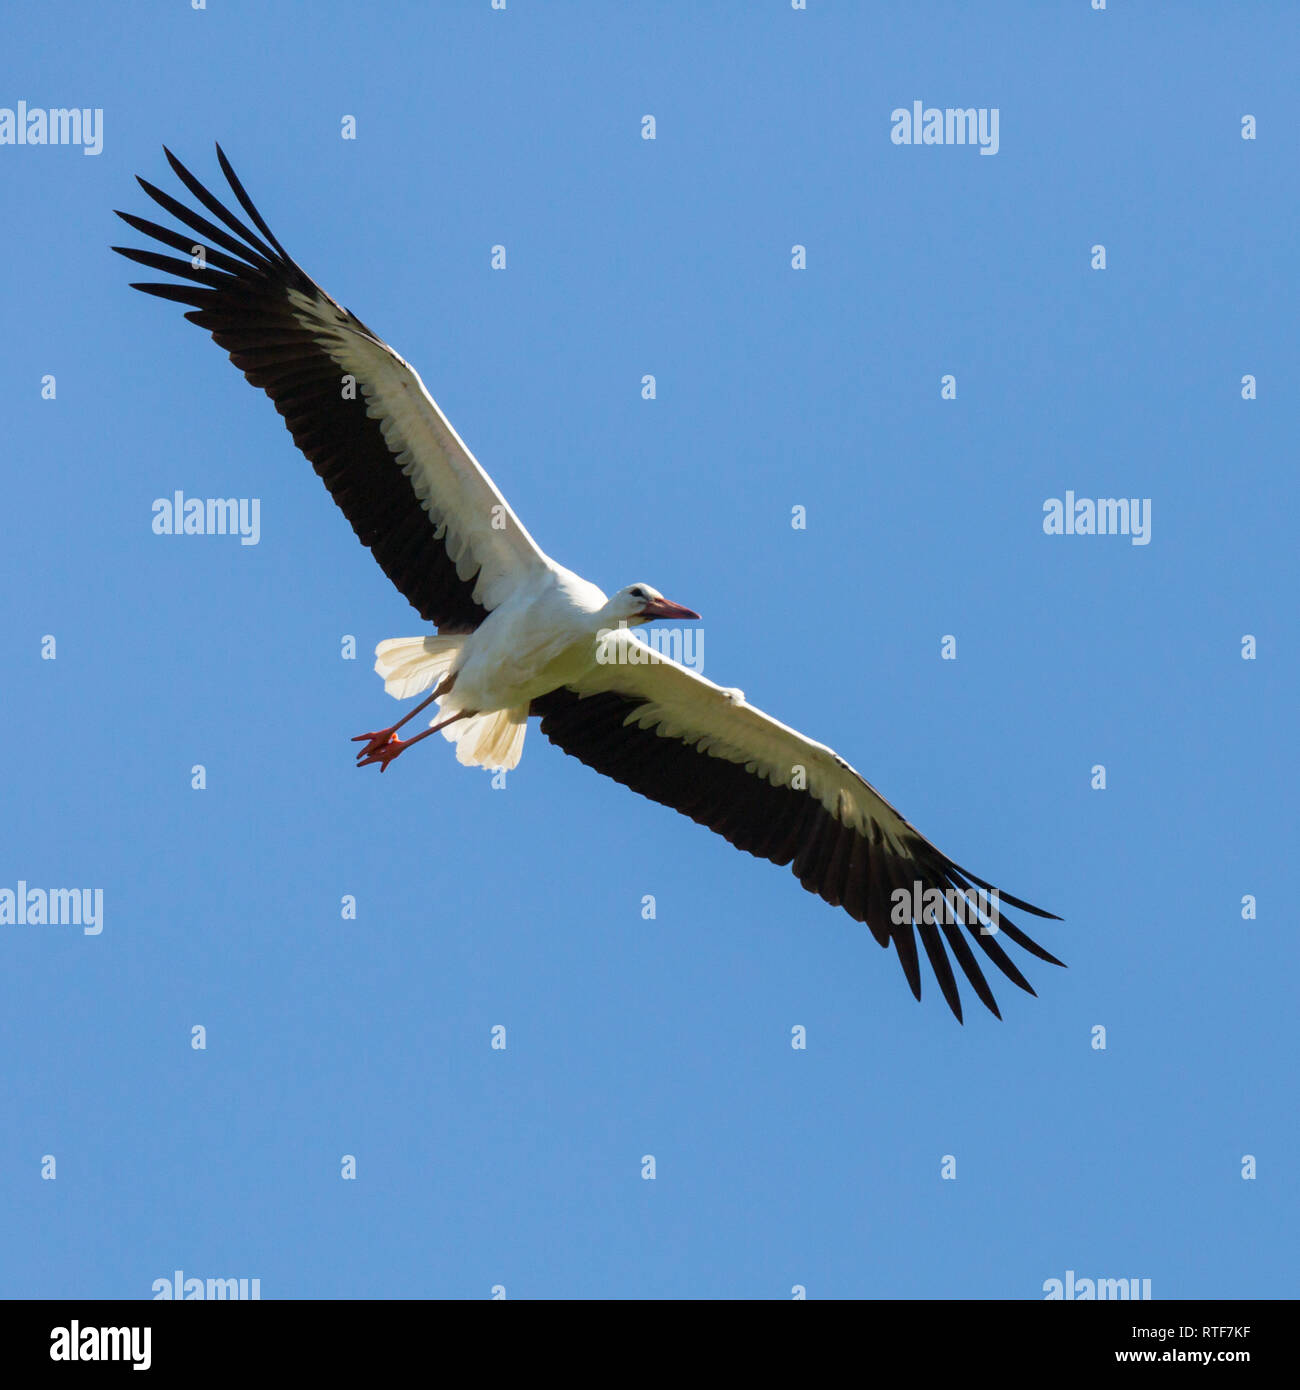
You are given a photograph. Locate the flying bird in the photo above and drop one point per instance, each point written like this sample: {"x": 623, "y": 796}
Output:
{"x": 519, "y": 635}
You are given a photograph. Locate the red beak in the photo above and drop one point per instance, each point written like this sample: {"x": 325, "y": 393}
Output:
{"x": 662, "y": 608}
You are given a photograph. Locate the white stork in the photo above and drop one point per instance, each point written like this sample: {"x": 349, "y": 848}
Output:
{"x": 520, "y": 635}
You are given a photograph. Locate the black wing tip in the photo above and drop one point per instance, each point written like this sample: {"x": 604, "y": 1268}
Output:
{"x": 1018, "y": 903}
{"x": 177, "y": 167}
{"x": 955, "y": 874}
{"x": 174, "y": 161}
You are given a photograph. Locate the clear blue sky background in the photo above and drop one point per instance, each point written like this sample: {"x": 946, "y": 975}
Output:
{"x": 522, "y": 907}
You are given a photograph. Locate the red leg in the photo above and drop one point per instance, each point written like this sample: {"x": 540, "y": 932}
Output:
{"x": 391, "y": 747}
{"x": 375, "y": 741}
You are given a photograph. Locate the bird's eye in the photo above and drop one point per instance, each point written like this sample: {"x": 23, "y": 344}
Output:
{"x": 638, "y": 593}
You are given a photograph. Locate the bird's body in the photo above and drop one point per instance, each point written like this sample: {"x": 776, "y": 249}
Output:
{"x": 520, "y": 636}
{"x": 550, "y": 633}
{"x": 543, "y": 636}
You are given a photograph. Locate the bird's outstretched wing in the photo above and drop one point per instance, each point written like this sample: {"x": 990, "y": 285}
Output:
{"x": 401, "y": 475}
{"x": 654, "y": 725}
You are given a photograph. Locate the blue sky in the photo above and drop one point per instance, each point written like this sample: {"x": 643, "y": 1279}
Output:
{"x": 521, "y": 907}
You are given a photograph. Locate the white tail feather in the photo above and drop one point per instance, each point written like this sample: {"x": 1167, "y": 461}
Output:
{"x": 412, "y": 665}
{"x": 493, "y": 740}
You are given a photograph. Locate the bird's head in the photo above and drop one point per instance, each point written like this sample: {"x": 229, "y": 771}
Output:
{"x": 639, "y": 603}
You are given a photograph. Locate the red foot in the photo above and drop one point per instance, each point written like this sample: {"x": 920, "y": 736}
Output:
{"x": 382, "y": 748}
{"x": 374, "y": 741}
